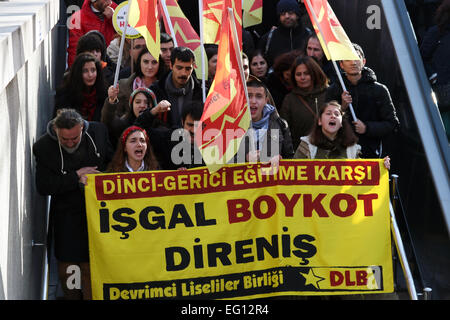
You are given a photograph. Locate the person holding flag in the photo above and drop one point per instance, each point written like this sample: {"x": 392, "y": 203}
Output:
{"x": 371, "y": 101}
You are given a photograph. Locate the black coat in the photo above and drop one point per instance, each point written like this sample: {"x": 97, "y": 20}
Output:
{"x": 64, "y": 99}
{"x": 283, "y": 40}
{"x": 159, "y": 89}
{"x": 435, "y": 51}
{"x": 373, "y": 105}
{"x": 56, "y": 176}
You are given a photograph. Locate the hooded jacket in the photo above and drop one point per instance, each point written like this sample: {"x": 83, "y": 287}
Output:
{"x": 373, "y": 105}
{"x": 56, "y": 176}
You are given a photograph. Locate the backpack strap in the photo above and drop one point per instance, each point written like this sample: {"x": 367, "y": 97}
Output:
{"x": 269, "y": 38}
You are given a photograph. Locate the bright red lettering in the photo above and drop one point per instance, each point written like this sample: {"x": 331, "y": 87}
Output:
{"x": 367, "y": 198}
{"x": 335, "y": 205}
{"x": 271, "y": 207}
{"x": 238, "y": 210}
{"x": 289, "y": 204}
{"x": 309, "y": 205}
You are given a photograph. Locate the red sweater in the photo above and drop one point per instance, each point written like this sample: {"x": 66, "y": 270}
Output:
{"x": 83, "y": 21}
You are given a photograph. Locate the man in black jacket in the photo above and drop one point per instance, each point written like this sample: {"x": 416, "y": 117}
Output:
{"x": 71, "y": 149}
{"x": 371, "y": 101}
{"x": 179, "y": 86}
{"x": 290, "y": 35}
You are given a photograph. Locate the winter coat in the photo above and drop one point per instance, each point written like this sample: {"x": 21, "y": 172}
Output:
{"x": 83, "y": 21}
{"x": 306, "y": 150}
{"x": 56, "y": 176}
{"x": 300, "y": 118}
{"x": 64, "y": 99}
{"x": 435, "y": 51}
{"x": 123, "y": 97}
{"x": 283, "y": 40}
{"x": 373, "y": 105}
{"x": 115, "y": 124}
{"x": 277, "y": 134}
{"x": 160, "y": 91}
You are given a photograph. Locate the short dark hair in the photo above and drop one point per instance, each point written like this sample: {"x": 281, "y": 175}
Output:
{"x": 358, "y": 49}
{"x": 67, "y": 119}
{"x": 165, "y": 37}
{"x": 183, "y": 54}
{"x": 89, "y": 42}
{"x": 254, "y": 82}
{"x": 194, "y": 109}
{"x": 211, "y": 50}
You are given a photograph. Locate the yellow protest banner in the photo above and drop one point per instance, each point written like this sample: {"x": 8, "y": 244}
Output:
{"x": 310, "y": 228}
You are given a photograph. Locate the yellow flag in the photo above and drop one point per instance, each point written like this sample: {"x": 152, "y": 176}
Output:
{"x": 336, "y": 45}
{"x": 252, "y": 12}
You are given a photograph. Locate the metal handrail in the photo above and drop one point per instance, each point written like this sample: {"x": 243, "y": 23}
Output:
{"x": 45, "y": 267}
{"x": 400, "y": 248}
{"x": 425, "y": 111}
{"x": 402, "y": 255}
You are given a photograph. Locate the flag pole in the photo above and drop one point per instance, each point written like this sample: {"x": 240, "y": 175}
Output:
{"x": 169, "y": 22}
{"x": 200, "y": 14}
{"x": 334, "y": 62}
{"x": 122, "y": 42}
{"x": 241, "y": 68}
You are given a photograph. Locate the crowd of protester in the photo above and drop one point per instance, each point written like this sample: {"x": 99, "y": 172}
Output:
{"x": 294, "y": 98}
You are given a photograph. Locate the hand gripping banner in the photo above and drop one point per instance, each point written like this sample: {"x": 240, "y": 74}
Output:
{"x": 310, "y": 228}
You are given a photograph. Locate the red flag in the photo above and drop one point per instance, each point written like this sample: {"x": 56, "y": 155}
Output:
{"x": 143, "y": 17}
{"x": 185, "y": 34}
{"x": 226, "y": 117}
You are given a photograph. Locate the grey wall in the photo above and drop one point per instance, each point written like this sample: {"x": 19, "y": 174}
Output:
{"x": 27, "y": 81}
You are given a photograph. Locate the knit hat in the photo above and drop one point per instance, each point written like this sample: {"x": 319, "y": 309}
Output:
{"x": 149, "y": 93}
{"x": 288, "y": 5}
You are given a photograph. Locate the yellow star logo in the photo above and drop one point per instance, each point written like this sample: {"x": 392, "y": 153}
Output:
{"x": 311, "y": 278}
